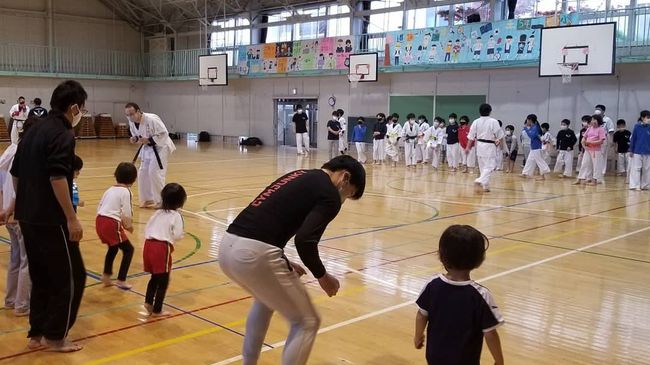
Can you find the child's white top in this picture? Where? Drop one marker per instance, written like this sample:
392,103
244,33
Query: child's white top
165,225
116,203
7,183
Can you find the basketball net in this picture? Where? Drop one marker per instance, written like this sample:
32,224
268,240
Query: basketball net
568,69
354,80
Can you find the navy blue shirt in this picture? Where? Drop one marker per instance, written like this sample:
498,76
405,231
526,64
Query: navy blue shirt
458,313
452,134
622,140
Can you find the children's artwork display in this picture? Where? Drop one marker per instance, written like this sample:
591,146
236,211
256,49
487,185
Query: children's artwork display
285,57
508,40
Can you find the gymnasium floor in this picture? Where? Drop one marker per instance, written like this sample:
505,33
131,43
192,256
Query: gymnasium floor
569,267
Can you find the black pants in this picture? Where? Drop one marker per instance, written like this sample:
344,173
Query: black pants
156,290
58,279
127,254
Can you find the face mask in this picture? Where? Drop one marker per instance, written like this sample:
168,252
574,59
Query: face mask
563,127
76,118
452,121
299,111
420,121
411,121
436,124
359,122
334,117
508,133
584,124
646,121
598,112
22,103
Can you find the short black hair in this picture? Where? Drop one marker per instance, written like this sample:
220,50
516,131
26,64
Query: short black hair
135,106
532,117
510,127
340,112
78,163
422,117
361,119
298,106
598,117
173,196
410,115
464,118
620,122
126,173
21,97
586,118
394,115
462,247
453,115
381,115
645,114
37,101
66,94
354,167
546,126
601,107
565,121
485,109
500,123
439,119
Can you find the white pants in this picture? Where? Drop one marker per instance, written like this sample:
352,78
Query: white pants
622,163
487,163
361,151
19,285
499,159
590,168
378,150
579,163
302,142
333,148
525,150
410,153
434,152
343,143
640,172
564,158
470,157
262,270
151,178
420,152
392,150
535,159
453,155
463,156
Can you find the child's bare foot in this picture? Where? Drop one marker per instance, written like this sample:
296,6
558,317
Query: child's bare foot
106,279
36,342
63,346
146,204
161,314
122,284
149,308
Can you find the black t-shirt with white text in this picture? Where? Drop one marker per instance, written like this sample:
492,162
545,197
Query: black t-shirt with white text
301,203
452,134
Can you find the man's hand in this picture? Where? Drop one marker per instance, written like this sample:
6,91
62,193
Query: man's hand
418,341
329,284
133,139
75,229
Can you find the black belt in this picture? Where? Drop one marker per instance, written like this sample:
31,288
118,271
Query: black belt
485,141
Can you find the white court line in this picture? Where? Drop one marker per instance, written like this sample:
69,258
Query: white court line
204,217
436,200
410,302
221,191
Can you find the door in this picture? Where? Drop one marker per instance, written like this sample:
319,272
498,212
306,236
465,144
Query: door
283,125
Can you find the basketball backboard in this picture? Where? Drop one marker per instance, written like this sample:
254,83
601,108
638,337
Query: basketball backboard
364,66
213,70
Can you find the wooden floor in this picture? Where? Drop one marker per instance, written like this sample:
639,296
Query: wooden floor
569,267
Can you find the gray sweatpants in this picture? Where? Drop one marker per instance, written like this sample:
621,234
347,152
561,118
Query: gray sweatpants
262,270
19,285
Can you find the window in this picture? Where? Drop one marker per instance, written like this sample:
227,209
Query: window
338,27
386,22
482,8
230,38
279,33
383,4
427,18
311,30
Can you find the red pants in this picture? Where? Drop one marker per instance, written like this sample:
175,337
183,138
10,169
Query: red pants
157,256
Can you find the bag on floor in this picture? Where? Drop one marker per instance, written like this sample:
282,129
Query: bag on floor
204,136
251,141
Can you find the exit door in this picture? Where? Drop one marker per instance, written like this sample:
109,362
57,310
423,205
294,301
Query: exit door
283,125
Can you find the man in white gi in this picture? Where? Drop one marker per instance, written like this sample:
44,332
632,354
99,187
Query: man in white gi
486,133
17,116
149,131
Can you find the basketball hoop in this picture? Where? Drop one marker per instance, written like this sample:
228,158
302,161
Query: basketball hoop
354,80
568,69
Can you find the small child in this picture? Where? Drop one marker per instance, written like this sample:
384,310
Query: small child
164,228
511,147
433,138
77,165
456,311
500,152
622,139
114,215
358,137
453,147
463,133
586,119
566,140
421,147
640,154
410,132
547,142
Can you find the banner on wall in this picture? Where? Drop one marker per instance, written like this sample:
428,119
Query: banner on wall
285,57
507,40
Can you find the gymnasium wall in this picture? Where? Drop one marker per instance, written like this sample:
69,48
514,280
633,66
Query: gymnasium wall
245,107
103,96
77,24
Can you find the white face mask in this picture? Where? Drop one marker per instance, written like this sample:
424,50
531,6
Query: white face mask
452,121
563,127
411,121
645,121
334,117
508,133
299,111
436,124
76,118
598,112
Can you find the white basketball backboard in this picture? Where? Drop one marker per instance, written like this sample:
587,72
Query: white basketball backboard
365,65
591,46
213,70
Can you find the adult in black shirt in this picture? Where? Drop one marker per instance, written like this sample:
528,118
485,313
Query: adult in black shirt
42,172
333,134
378,136
300,120
300,203
38,111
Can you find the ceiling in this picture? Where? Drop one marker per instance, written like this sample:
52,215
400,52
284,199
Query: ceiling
166,16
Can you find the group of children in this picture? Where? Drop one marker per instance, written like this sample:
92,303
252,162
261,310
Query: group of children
114,219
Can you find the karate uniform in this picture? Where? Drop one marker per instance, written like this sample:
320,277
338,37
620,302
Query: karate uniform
485,131
410,134
421,147
393,132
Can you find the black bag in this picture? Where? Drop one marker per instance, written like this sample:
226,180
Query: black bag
174,136
204,137
251,141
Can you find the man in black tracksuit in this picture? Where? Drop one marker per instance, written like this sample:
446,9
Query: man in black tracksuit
42,172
